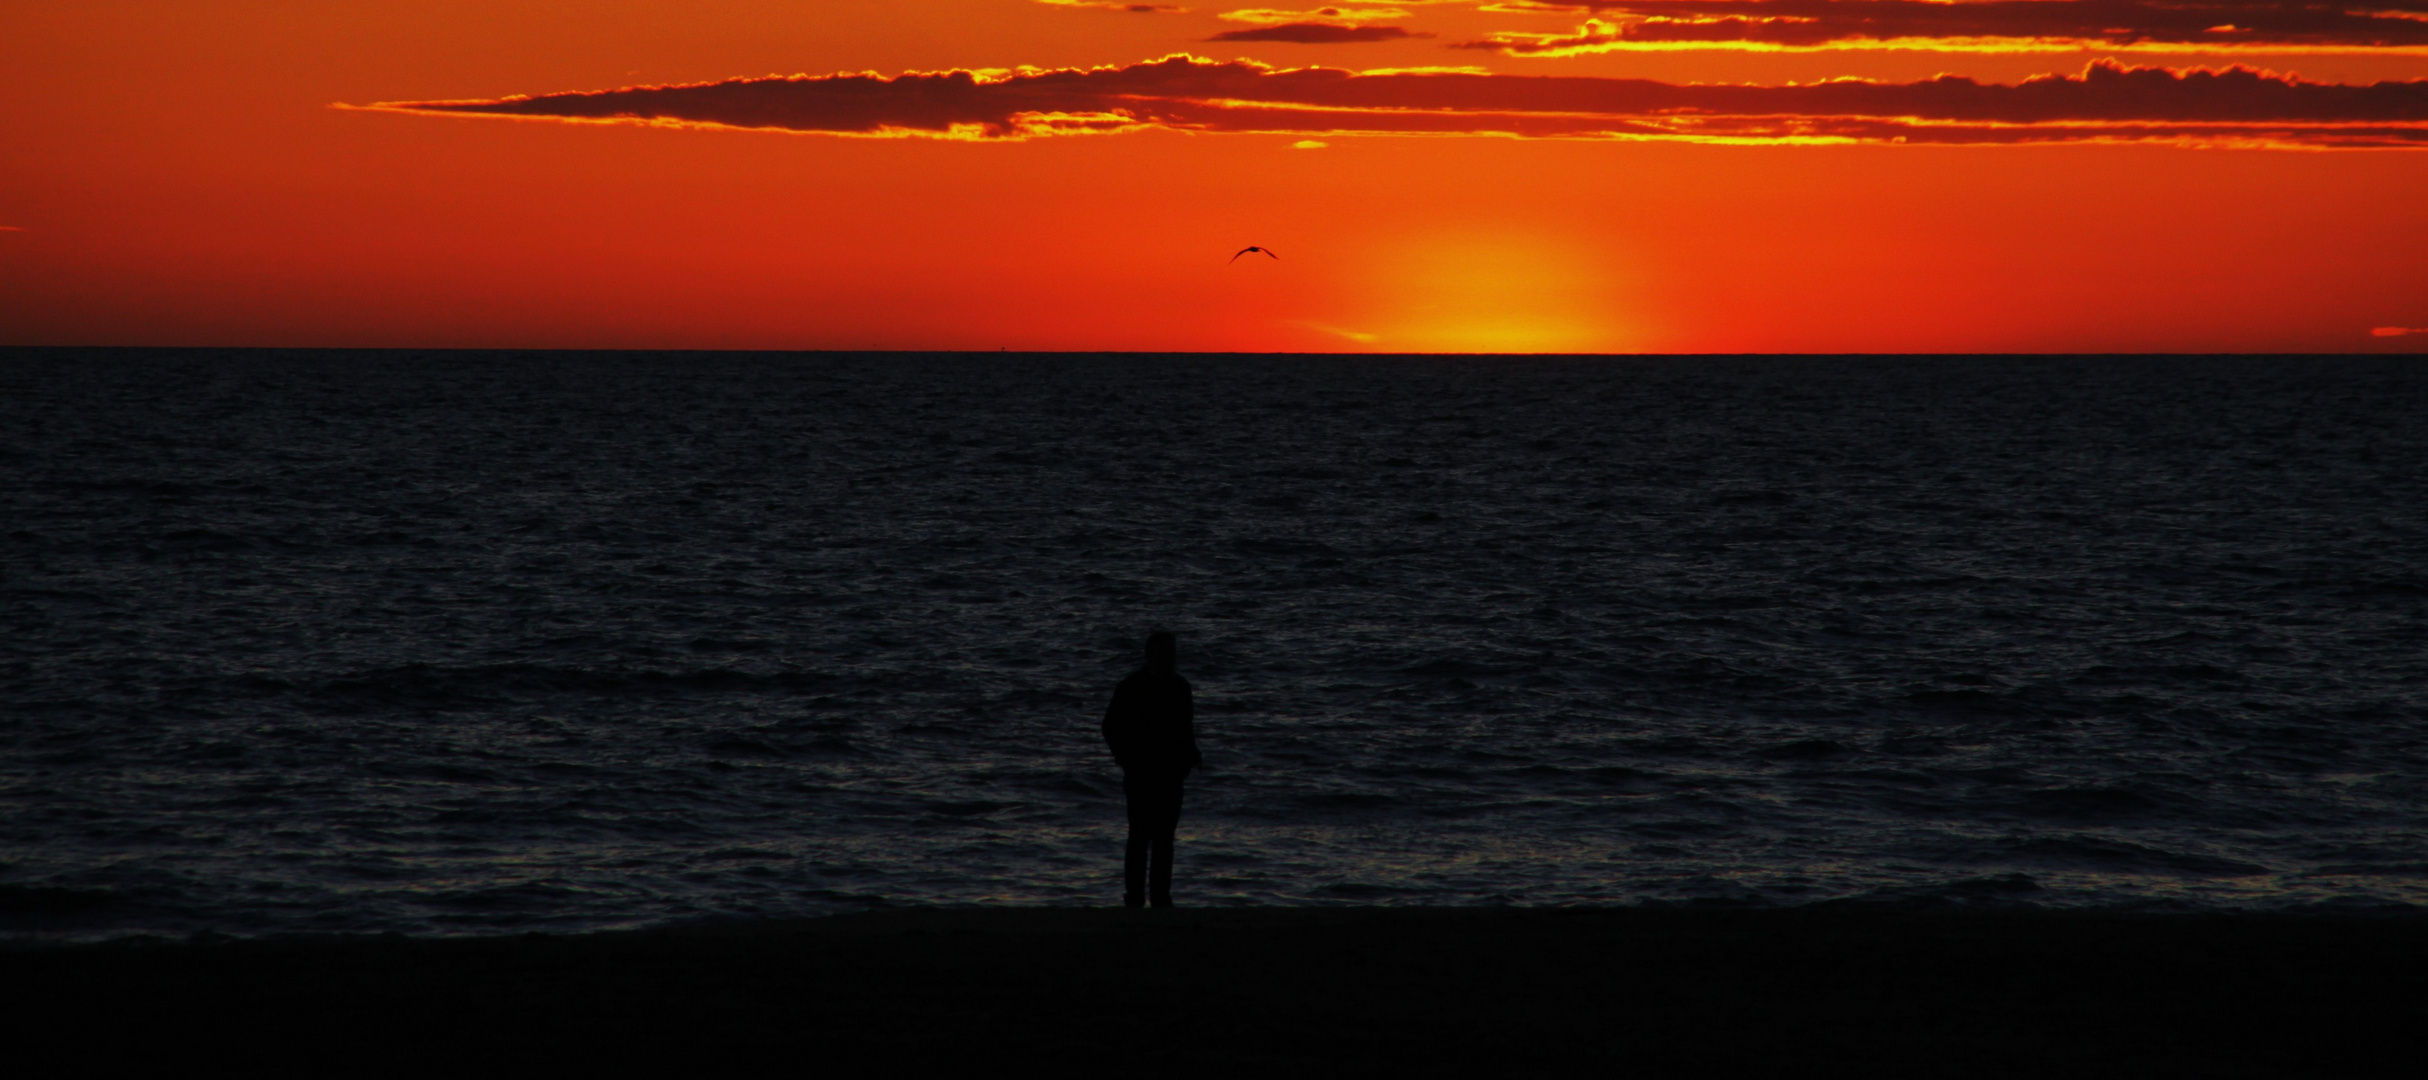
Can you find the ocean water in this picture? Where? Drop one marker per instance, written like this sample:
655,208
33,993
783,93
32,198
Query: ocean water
488,642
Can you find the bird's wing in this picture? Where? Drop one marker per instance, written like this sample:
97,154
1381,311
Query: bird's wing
1236,254
1269,251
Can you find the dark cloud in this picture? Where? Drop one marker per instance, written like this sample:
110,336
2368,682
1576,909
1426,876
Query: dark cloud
1317,34
2106,102
1985,25
1113,5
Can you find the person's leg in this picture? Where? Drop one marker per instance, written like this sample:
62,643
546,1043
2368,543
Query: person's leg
1159,880
1142,829
1167,825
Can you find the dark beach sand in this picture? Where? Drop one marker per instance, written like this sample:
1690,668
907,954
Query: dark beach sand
1294,991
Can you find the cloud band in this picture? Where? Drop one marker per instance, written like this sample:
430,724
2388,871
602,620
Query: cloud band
1317,34
2106,102
2199,26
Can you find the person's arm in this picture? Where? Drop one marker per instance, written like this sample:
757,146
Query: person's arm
1188,725
1118,724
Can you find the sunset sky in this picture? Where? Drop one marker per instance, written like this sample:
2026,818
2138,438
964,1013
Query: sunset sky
1449,175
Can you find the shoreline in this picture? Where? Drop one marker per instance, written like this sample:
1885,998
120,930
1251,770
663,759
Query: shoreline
1370,991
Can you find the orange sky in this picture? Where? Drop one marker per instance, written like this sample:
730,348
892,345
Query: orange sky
175,174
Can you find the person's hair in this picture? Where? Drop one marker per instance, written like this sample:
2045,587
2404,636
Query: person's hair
1163,650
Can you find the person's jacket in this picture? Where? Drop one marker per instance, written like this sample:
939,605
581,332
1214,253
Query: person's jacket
1152,725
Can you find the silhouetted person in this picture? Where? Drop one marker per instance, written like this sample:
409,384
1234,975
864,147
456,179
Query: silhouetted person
1152,728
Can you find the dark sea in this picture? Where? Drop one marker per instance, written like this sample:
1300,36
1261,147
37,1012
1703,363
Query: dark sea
484,642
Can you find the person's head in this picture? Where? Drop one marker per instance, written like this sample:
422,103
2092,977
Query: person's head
1163,651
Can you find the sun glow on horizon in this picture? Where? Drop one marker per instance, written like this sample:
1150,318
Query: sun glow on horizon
1499,292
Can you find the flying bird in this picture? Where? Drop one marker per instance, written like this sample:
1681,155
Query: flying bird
1235,255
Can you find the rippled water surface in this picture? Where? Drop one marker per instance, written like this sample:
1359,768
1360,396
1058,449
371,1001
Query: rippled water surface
474,642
